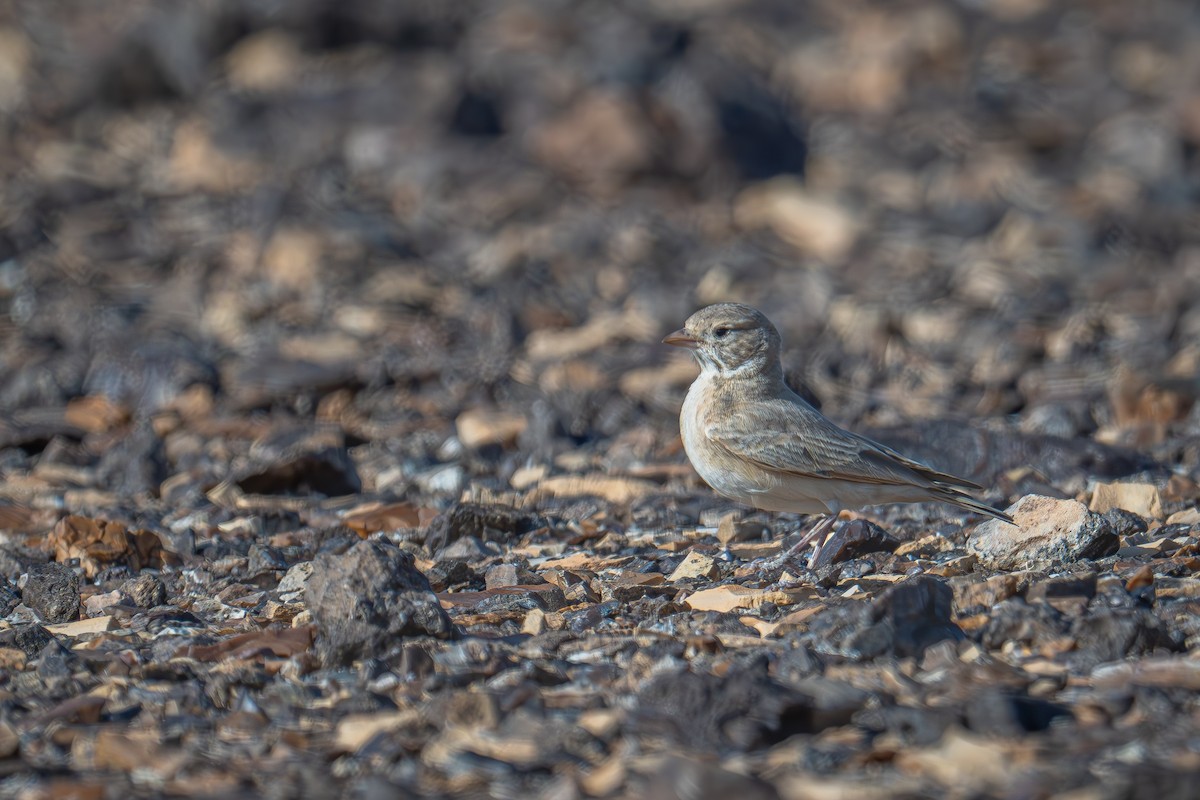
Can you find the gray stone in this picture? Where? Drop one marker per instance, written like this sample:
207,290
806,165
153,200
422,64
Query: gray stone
10,598
52,590
1049,533
146,591
366,600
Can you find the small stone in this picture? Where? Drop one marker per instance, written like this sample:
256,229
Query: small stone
1048,532
906,619
367,599
492,522
731,529
477,428
1189,516
1125,523
146,591
98,604
501,575
535,622
972,595
10,598
470,550
852,540
695,565
1140,498
52,590
295,578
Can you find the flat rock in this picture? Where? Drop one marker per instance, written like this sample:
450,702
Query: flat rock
695,565
1140,498
1049,532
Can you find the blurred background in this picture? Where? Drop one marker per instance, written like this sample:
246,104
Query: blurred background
467,225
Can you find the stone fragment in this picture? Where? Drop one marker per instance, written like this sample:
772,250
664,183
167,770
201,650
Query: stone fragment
744,709
367,599
975,595
906,619
82,626
1049,532
95,413
1140,498
695,565
146,591
97,605
854,539
479,427
29,638
99,543
733,596
52,590
731,529
1189,516
501,575
491,523
1125,523
597,142
376,517
295,578
10,598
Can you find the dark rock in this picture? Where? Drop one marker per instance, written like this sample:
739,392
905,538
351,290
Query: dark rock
146,591
905,620
516,598
918,727
746,709
852,540
1111,634
30,638
367,599
450,572
469,550
137,465
328,471
1016,621
264,558
10,597
52,590
996,713
1082,584
1125,523
55,661
489,523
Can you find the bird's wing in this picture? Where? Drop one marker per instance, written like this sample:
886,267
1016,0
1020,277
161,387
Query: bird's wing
788,435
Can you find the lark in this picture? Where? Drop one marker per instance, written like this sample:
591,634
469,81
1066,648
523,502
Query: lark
755,441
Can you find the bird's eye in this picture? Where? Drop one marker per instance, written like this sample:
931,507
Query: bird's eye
721,333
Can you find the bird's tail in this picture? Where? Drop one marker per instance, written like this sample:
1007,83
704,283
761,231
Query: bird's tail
963,500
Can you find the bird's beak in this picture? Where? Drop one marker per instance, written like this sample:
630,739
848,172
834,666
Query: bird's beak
680,338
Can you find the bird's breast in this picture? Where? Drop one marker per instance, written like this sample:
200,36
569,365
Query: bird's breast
724,472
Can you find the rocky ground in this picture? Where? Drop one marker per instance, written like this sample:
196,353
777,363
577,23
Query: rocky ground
338,454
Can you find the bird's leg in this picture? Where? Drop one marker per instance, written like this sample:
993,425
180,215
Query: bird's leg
817,534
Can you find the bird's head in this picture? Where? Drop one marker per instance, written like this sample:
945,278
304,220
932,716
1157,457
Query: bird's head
730,339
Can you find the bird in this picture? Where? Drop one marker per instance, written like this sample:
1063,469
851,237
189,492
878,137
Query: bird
754,440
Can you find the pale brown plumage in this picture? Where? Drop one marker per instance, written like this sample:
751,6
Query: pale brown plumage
754,440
